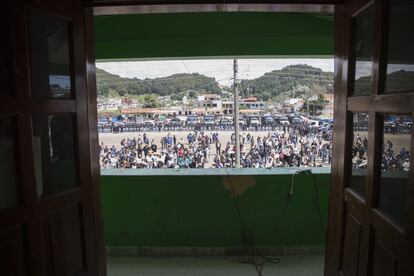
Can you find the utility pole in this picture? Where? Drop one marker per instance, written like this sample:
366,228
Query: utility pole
236,113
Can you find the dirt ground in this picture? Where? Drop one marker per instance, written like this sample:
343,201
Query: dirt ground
224,136
115,139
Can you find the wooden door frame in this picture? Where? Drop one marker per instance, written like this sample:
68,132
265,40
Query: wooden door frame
376,103
86,76
342,102
25,220
115,7
95,170
332,255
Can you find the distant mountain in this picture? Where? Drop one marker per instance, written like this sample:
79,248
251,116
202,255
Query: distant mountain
175,85
290,81
398,81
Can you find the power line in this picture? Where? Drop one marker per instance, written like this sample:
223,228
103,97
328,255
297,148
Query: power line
143,81
273,75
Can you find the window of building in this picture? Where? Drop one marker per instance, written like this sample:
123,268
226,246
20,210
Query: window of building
174,114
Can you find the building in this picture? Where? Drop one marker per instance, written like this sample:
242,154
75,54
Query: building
227,107
209,101
151,112
251,103
328,111
54,199
206,111
292,105
209,97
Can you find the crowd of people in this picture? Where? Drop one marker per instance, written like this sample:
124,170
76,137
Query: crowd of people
359,152
392,160
123,127
395,161
284,147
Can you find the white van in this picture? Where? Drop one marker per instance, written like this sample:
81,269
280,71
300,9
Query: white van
313,123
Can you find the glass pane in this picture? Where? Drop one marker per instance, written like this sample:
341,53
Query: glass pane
395,166
363,29
8,181
359,152
54,153
400,66
50,56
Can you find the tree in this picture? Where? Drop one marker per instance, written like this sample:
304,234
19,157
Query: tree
150,101
122,92
299,80
315,106
160,86
192,94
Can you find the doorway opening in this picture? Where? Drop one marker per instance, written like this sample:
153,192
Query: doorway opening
179,222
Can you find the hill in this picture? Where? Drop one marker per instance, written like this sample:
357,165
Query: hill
176,85
396,82
291,81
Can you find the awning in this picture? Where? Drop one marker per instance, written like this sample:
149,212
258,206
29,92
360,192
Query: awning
213,34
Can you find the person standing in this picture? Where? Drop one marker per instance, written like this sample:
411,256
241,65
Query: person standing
218,147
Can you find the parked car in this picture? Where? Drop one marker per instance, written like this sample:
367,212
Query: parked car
325,127
191,120
175,122
254,121
268,120
209,120
313,123
149,123
297,120
284,122
226,121
242,122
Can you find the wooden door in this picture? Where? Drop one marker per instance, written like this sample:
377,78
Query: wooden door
371,215
49,219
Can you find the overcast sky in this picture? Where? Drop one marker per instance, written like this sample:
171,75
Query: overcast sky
221,69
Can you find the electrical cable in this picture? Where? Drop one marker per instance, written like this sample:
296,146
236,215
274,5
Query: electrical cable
309,172
285,207
250,252
316,189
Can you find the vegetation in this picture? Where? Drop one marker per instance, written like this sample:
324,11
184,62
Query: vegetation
150,101
178,85
294,81
399,81
315,106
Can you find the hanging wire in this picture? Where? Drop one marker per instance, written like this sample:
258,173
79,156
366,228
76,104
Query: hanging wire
250,252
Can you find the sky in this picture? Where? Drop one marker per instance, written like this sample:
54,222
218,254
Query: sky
221,69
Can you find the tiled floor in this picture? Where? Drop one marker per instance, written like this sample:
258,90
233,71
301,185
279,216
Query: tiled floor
292,265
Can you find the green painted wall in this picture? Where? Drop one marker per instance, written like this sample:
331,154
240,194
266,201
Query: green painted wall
213,34
199,211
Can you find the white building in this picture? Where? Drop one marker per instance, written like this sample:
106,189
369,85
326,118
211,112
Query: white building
209,101
293,105
251,103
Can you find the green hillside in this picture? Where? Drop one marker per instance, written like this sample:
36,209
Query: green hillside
292,81
176,85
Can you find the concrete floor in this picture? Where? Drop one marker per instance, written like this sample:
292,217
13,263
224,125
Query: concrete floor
292,265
